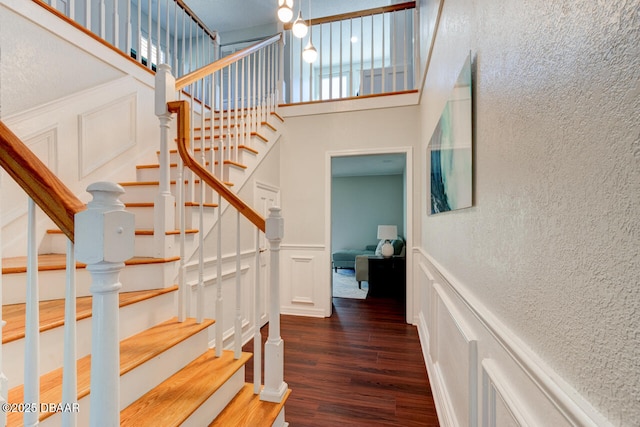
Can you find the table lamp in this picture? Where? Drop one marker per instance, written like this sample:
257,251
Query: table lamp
387,233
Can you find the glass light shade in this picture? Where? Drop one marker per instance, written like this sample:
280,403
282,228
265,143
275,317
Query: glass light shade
309,54
299,28
285,13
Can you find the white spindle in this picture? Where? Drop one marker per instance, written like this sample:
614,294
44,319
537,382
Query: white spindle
237,118
157,21
227,156
72,9
237,339
274,385
351,57
257,336
383,76
139,33
69,377
201,230
129,33
116,24
372,53
102,19
340,66
219,301
4,382
392,46
149,32
104,240
32,324
182,272
87,15
242,101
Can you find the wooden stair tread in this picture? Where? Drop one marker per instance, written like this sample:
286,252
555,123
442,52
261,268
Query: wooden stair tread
151,205
134,351
52,312
47,262
247,410
175,399
141,232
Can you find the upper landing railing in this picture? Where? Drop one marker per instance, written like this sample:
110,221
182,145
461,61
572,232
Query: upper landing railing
152,32
363,53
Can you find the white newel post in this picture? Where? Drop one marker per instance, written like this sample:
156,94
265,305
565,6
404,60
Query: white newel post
4,382
274,385
104,240
164,204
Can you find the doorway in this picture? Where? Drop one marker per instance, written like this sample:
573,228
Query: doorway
367,188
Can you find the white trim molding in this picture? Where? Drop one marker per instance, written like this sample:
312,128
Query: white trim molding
481,373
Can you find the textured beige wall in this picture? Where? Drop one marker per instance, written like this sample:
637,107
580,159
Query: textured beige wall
552,243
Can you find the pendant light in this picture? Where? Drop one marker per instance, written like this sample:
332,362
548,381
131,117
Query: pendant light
299,28
285,11
309,54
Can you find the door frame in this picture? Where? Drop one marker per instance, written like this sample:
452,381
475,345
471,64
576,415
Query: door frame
408,183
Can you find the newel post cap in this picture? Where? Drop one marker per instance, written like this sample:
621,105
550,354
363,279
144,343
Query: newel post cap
104,232
274,224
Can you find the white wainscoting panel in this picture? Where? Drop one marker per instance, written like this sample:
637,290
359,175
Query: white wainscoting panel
305,275
456,360
500,407
97,147
481,373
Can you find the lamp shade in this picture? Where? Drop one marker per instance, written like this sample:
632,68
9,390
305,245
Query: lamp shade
299,28
285,11
309,54
387,232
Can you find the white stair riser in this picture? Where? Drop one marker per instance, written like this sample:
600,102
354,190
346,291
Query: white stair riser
136,383
134,318
212,407
52,283
142,379
148,193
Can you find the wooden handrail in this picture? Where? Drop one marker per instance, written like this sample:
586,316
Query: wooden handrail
358,14
198,74
181,108
35,178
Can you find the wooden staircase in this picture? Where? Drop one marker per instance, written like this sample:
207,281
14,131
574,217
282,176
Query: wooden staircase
168,374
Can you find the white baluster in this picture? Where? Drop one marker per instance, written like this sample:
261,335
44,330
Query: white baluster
274,385
164,203
182,272
4,382
104,237
32,323
102,18
200,290
257,336
219,306
237,341
116,24
69,377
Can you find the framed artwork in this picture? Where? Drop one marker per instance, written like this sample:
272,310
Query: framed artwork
450,149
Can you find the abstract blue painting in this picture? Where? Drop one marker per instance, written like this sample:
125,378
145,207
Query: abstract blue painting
450,149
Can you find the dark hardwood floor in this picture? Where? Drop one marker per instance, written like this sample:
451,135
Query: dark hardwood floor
363,366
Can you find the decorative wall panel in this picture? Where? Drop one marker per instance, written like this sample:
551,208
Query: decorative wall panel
97,147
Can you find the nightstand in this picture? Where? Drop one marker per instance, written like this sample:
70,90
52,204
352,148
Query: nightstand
387,276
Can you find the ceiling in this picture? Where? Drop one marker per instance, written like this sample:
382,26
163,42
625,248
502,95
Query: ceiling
219,16
368,165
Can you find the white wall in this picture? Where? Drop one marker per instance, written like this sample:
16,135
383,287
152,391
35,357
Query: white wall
306,146
537,284
61,92
359,204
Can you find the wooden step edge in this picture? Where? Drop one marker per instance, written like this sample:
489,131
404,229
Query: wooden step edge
278,116
269,125
157,166
149,183
186,204
246,409
257,135
234,164
196,205
52,311
139,232
188,389
134,351
249,149
49,262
